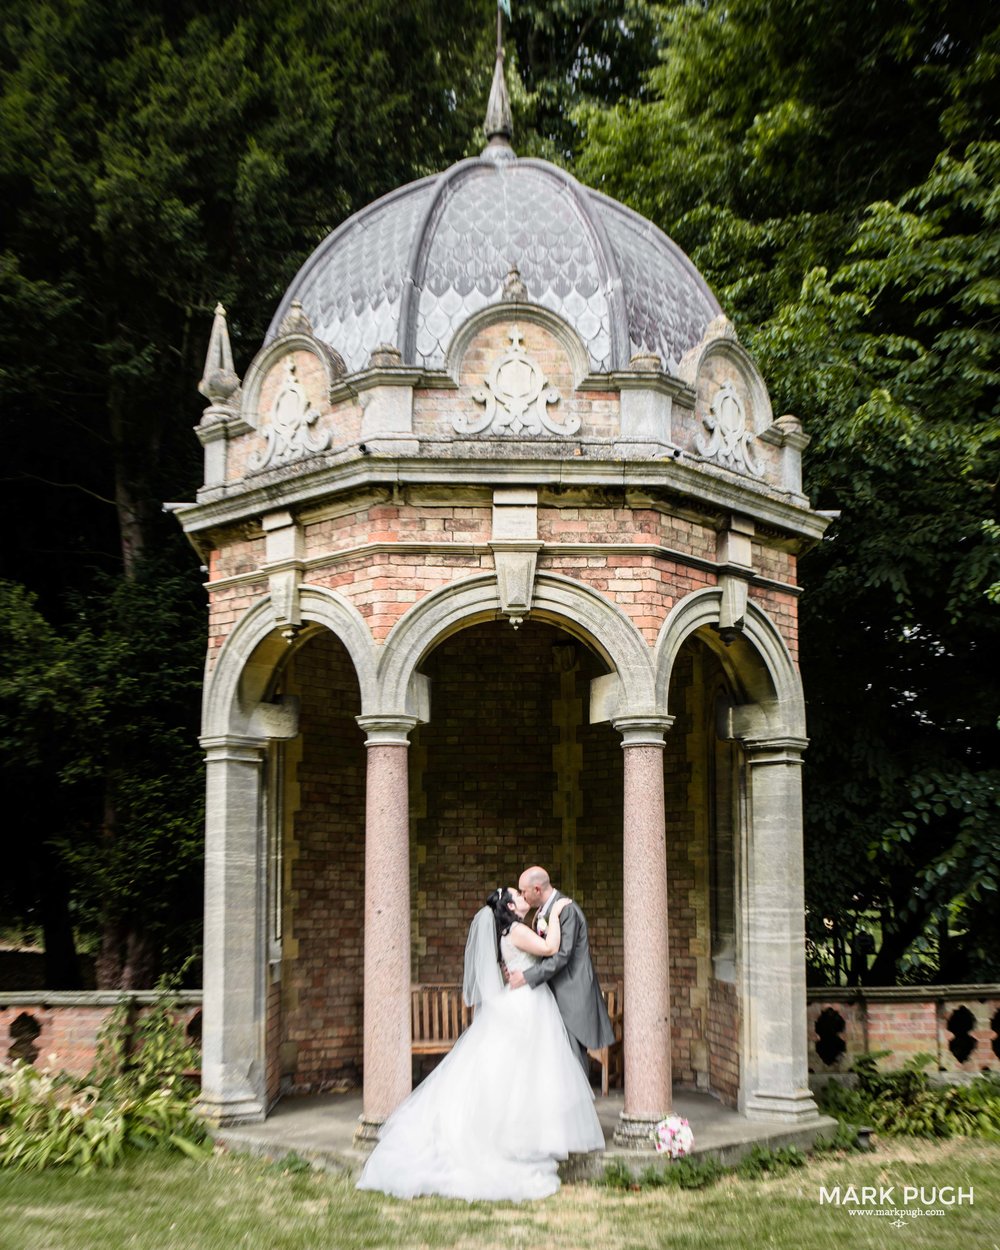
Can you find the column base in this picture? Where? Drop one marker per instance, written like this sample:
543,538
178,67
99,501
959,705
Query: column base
795,1108
366,1134
226,1113
635,1132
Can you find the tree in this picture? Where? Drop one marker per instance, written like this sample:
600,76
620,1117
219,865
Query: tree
861,271
570,52
159,157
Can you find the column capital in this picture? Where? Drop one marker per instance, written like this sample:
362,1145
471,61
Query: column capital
388,730
781,750
642,731
236,748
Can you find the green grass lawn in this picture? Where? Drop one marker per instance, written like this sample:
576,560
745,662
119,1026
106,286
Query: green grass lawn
162,1203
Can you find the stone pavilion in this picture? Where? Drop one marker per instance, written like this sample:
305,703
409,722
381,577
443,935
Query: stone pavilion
501,537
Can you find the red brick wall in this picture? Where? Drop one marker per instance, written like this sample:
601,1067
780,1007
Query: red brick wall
272,1044
323,964
644,587
599,874
487,781
687,1026
67,1040
723,1036
907,1022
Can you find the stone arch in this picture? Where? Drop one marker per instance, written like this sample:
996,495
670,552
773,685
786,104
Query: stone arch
269,355
254,651
758,662
576,608
557,326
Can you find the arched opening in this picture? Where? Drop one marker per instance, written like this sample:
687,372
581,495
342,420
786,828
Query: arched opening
705,805
315,804
509,772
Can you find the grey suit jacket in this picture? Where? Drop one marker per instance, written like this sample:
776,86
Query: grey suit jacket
570,976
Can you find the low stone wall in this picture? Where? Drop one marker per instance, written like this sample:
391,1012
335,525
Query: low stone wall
959,1025
60,1030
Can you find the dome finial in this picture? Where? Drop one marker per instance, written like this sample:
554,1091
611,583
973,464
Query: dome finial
220,381
499,125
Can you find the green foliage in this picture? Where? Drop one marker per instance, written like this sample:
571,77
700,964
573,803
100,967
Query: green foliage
905,1102
685,1174
564,53
843,1140
762,1161
136,1098
702,1172
99,722
861,272
617,1175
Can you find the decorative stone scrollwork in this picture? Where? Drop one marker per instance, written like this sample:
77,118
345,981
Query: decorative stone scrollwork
730,433
289,436
516,398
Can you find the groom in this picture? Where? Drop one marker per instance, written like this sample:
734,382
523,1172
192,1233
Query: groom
569,972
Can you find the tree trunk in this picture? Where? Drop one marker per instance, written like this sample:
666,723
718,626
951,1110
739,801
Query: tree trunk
139,970
111,956
62,964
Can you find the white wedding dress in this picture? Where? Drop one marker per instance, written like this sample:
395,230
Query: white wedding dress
497,1114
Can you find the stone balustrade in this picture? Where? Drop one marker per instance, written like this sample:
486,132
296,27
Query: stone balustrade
959,1025
59,1030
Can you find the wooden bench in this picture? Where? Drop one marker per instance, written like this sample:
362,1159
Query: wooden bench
612,1056
439,1017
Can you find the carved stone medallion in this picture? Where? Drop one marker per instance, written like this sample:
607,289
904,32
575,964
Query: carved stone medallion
516,398
730,435
289,433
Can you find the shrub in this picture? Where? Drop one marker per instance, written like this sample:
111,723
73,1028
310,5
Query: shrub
135,1098
905,1102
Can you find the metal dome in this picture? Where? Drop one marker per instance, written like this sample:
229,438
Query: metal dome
410,268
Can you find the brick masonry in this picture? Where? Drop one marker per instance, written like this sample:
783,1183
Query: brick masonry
907,1021
508,770
322,971
63,1036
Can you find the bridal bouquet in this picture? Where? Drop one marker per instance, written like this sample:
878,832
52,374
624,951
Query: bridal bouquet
673,1137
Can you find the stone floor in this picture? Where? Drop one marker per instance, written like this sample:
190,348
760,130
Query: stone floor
321,1128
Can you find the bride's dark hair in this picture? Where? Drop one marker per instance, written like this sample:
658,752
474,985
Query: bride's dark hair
499,903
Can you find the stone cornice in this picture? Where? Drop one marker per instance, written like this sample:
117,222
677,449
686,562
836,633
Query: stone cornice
98,998
640,380
233,748
346,389
684,476
901,993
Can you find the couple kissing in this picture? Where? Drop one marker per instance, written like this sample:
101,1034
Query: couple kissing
522,1061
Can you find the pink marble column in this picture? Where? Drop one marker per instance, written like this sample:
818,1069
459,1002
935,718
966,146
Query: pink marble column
387,1063
647,966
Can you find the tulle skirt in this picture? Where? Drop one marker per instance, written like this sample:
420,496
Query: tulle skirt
496,1115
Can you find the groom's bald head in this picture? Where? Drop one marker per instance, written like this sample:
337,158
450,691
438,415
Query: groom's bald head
535,885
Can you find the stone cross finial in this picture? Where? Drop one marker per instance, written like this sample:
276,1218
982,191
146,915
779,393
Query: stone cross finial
499,124
220,381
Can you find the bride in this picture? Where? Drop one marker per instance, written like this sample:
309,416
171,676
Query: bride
510,1100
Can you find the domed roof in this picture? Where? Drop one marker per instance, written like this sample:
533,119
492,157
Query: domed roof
409,269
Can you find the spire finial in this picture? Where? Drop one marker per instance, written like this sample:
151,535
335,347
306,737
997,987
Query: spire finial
499,125
219,382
